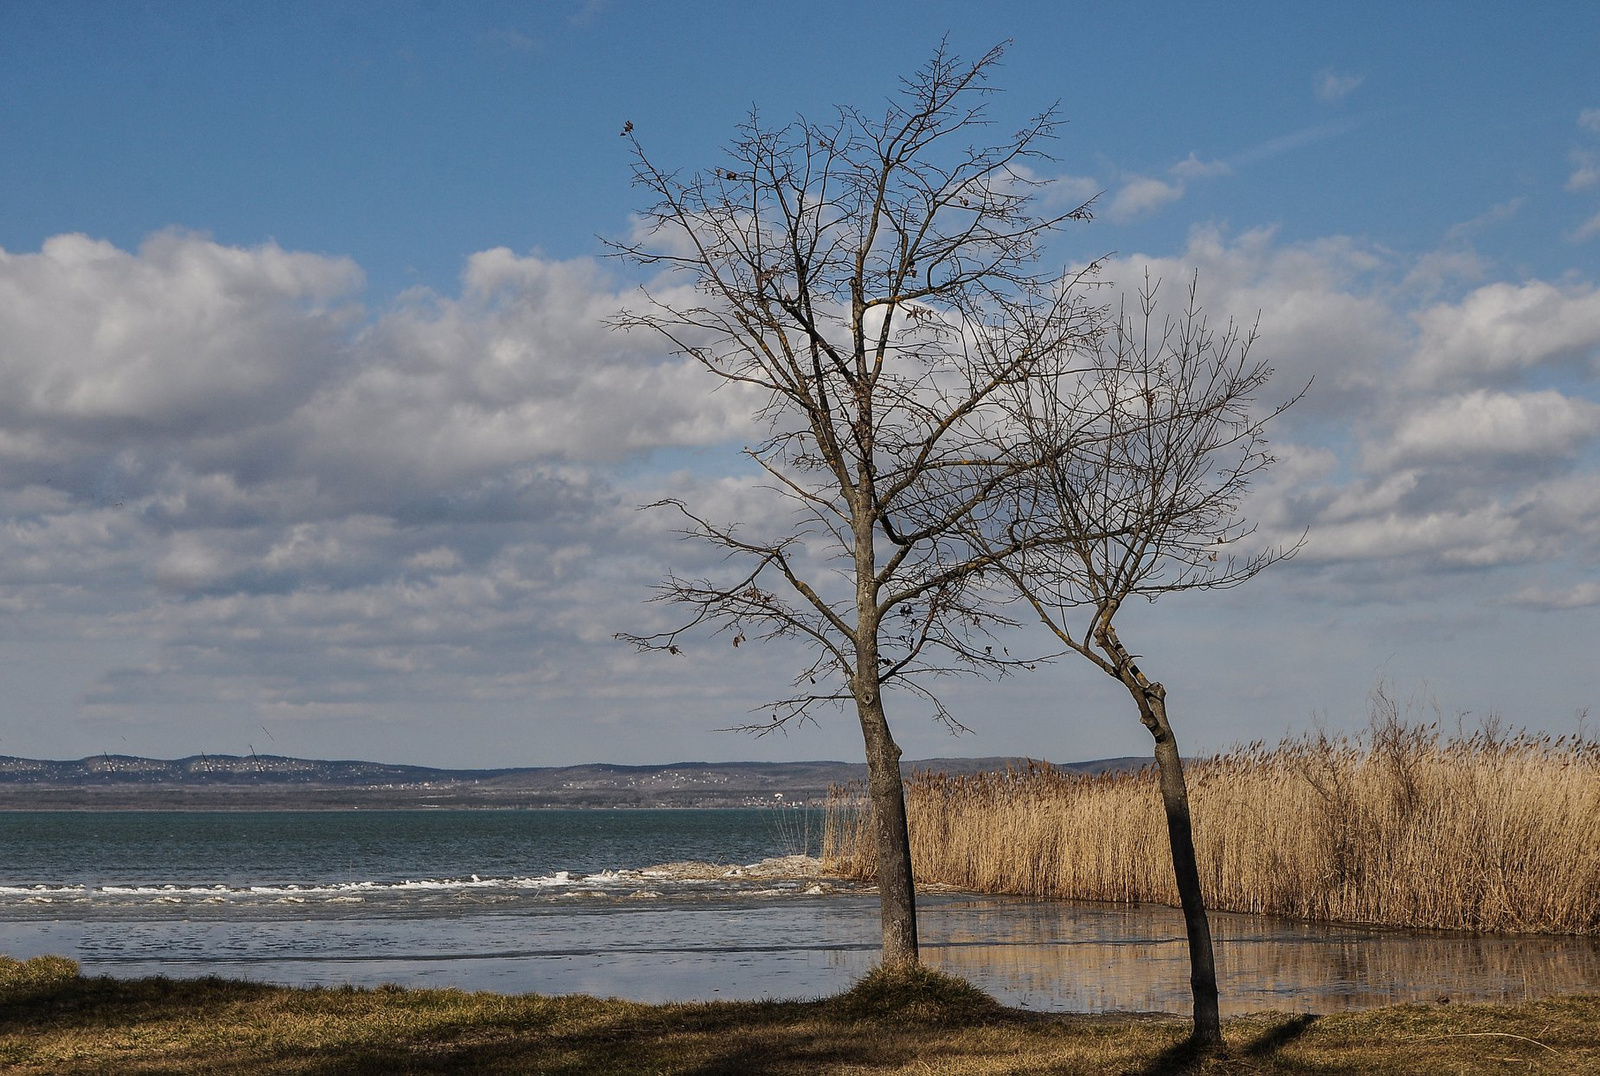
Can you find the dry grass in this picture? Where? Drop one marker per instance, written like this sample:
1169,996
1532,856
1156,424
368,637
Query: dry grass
1401,826
53,1021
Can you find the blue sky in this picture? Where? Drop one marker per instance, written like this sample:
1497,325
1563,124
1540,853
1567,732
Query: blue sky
311,441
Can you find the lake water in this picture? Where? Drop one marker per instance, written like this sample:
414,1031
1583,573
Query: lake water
567,901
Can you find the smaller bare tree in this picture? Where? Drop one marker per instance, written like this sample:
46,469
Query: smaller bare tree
1147,450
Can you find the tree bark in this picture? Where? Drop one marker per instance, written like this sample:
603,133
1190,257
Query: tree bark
896,891
1180,835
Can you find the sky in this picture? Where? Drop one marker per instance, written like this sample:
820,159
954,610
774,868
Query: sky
313,440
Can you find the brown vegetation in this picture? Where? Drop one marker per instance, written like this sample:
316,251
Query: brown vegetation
1401,826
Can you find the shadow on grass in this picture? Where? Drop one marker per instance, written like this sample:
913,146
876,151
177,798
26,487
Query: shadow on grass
53,1021
888,1019
1276,1038
66,1003
1188,1057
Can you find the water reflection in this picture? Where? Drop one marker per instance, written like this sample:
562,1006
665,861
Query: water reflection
1094,958
1039,955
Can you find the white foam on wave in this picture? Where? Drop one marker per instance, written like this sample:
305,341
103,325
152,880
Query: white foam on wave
772,877
598,882
40,890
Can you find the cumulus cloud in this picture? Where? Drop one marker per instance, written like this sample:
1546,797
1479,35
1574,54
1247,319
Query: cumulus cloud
1432,441
183,338
1483,424
520,367
195,374
1481,537
294,509
214,451
1324,307
1502,328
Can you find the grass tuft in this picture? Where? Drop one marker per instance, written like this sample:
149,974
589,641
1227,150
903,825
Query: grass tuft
914,994
25,978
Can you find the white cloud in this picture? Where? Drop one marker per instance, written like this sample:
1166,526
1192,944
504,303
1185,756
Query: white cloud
1067,192
1325,307
204,454
521,367
1481,537
1589,229
1192,167
1420,452
1141,195
1333,86
1585,170
1494,425
1495,214
1576,596
197,376
1294,140
438,559
437,505
185,337
1503,328
1589,120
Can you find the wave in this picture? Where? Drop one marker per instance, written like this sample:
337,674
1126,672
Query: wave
775,877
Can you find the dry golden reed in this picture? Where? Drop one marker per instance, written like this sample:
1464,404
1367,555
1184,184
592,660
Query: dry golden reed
1398,826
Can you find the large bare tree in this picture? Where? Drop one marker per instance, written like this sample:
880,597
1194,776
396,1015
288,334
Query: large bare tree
1148,445
872,278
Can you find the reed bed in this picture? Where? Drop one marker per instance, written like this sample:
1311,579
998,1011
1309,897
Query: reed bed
1400,825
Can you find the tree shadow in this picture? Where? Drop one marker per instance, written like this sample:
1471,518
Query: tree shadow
1188,1056
1275,1038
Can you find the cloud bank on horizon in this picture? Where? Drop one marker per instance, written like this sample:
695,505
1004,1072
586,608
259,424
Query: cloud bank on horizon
243,488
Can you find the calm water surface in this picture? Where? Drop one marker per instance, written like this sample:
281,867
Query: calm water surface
563,901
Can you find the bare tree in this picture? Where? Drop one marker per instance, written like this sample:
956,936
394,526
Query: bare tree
872,278
1147,448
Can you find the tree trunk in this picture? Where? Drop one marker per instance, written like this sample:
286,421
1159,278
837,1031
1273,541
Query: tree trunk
897,895
1180,835
896,891
1151,699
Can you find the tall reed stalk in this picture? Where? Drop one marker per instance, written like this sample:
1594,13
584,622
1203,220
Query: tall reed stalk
1399,826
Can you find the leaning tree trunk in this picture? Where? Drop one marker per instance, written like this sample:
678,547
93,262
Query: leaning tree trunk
1180,835
1151,698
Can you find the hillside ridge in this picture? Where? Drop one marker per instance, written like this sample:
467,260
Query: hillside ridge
254,781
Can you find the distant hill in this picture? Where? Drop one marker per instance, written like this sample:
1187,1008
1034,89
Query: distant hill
274,782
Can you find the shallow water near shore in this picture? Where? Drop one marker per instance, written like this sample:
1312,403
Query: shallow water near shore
566,902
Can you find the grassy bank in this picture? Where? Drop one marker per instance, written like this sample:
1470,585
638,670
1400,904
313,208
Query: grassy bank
1401,826
53,1021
